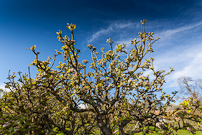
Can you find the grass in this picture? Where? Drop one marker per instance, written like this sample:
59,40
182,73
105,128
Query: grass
179,132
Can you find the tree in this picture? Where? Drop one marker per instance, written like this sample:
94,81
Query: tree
191,106
190,88
116,92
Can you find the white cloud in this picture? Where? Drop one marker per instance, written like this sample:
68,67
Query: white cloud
186,62
123,25
82,106
171,32
192,68
114,26
100,32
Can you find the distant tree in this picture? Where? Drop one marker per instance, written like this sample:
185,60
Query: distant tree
191,107
116,93
190,88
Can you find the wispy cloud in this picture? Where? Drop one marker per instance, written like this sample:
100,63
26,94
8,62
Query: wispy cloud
192,68
186,62
124,25
115,26
186,56
171,32
100,32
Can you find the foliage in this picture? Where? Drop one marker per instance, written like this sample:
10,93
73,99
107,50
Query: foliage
116,93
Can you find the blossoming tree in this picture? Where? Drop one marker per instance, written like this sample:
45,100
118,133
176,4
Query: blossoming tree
117,96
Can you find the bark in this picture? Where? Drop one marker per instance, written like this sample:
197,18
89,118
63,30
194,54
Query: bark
105,128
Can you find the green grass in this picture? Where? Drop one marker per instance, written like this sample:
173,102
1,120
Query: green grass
179,132
184,132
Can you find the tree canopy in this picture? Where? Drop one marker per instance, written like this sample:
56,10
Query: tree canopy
118,97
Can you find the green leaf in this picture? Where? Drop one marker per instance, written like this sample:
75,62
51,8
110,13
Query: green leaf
55,129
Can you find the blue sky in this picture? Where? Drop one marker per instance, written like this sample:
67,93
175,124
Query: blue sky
178,23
